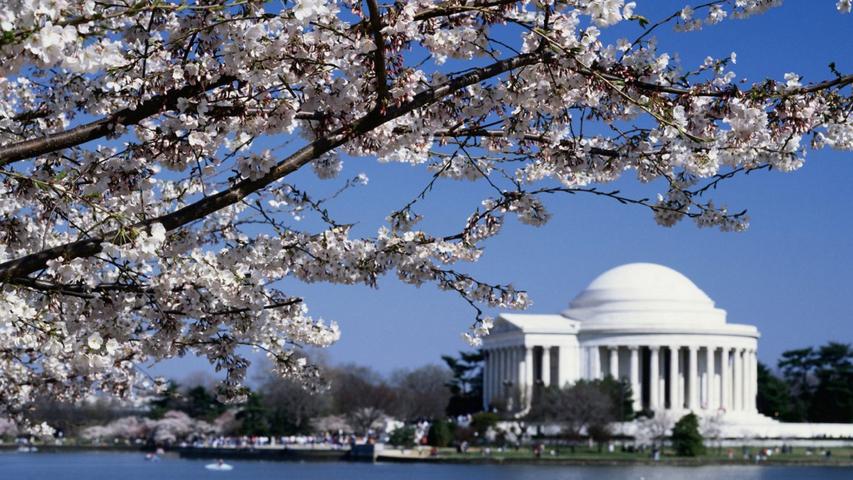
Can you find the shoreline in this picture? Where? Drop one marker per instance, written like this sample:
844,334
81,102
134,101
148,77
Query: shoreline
394,456
615,462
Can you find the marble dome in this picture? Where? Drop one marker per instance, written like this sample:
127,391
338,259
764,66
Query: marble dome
644,293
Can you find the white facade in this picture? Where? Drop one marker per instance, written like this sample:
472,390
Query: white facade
647,324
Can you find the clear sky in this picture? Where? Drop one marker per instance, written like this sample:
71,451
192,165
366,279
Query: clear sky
789,274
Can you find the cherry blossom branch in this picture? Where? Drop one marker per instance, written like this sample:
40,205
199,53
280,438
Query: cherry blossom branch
83,248
105,126
447,10
379,55
173,236
666,20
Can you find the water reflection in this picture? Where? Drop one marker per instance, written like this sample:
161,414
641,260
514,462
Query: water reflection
132,466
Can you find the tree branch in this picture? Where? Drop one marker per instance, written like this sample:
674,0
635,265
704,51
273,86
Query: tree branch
33,262
480,132
442,10
378,55
99,128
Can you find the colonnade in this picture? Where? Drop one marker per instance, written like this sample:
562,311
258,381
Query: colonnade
510,372
677,377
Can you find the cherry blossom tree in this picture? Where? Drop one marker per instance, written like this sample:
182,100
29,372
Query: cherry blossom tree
147,149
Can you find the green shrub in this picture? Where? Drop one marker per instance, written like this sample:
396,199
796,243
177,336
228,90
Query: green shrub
440,434
403,437
686,439
481,422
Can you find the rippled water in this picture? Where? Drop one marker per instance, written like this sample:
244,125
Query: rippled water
132,466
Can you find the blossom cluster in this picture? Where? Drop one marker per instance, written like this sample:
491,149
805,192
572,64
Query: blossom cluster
144,148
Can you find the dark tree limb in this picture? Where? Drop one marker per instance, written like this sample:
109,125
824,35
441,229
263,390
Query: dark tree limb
103,127
378,55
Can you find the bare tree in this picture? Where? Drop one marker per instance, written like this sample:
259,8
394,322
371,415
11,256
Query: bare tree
422,392
361,395
581,408
291,407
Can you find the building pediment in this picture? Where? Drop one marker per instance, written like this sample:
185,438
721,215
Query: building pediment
526,323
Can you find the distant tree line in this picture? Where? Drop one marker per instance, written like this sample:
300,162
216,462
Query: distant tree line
813,385
358,399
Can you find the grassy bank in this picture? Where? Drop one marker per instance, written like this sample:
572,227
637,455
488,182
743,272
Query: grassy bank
586,456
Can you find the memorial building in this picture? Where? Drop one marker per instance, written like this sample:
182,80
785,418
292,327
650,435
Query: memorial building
648,325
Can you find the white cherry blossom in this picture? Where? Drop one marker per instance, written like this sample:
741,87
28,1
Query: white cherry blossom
149,150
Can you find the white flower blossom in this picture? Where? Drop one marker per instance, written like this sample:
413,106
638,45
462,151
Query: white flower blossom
306,9
95,341
605,12
154,193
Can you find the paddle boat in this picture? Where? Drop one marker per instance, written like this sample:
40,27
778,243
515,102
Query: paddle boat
219,466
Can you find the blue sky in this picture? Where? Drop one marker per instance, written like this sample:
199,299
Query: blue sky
789,274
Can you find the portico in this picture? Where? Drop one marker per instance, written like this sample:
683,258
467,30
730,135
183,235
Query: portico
526,350
668,375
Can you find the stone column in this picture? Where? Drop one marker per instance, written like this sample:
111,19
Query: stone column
654,378
546,366
598,368
512,368
510,381
746,380
725,380
737,380
674,396
510,371
519,368
614,362
710,402
753,381
507,368
635,378
502,373
563,372
692,379
528,376
596,362
569,365
497,378
496,374
487,378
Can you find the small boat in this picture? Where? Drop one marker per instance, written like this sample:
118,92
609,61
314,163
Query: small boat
27,449
219,466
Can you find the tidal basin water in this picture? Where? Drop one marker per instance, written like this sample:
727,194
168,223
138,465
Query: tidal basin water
132,466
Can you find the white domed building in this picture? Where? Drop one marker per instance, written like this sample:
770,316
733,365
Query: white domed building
652,326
